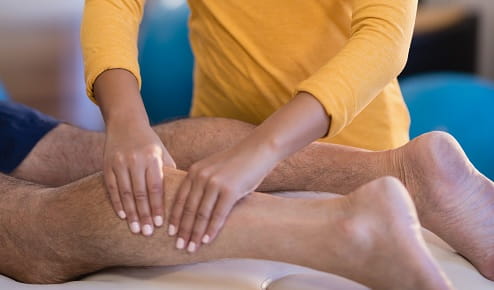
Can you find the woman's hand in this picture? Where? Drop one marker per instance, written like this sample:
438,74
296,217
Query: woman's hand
214,184
133,169
212,187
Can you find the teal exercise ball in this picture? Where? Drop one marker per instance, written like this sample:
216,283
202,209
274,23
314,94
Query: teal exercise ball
3,94
166,60
460,104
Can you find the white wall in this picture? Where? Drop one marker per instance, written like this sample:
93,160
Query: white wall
39,10
41,63
486,37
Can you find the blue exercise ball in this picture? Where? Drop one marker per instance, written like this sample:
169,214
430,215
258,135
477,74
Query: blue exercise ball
3,94
166,60
462,105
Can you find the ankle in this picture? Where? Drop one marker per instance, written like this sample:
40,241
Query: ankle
393,163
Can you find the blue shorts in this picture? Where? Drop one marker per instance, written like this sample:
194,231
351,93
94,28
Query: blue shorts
21,128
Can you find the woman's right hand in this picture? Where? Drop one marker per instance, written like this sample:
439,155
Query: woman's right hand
134,158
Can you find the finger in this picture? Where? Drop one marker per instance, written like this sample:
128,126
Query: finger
141,199
189,215
221,210
127,198
154,180
203,215
178,206
111,186
169,162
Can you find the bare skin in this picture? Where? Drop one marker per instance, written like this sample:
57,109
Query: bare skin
452,198
71,230
134,157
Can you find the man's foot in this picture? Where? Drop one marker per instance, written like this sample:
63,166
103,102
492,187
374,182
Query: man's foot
453,199
383,240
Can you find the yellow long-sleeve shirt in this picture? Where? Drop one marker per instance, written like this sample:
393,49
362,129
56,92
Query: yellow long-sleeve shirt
253,56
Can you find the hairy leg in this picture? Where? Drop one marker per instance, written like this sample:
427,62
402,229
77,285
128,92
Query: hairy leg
68,153
453,199
64,155
70,231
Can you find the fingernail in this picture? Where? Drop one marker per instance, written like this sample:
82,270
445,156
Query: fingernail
180,243
135,228
147,230
158,221
172,230
122,214
192,247
205,239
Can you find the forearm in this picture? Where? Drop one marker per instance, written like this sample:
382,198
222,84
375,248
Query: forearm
117,93
300,122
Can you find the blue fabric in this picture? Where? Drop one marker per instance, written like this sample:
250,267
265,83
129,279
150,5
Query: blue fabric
20,130
166,60
3,94
460,104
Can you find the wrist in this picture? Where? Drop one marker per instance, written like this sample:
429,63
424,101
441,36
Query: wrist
266,145
126,119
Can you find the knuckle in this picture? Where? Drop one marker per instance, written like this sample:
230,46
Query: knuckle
118,159
179,204
126,193
227,189
203,174
155,188
215,181
133,158
140,195
219,215
151,155
189,211
111,187
193,168
180,201
202,215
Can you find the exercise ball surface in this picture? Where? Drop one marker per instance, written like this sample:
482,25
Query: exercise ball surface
460,104
3,94
166,60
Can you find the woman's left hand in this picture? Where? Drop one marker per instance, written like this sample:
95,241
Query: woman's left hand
211,189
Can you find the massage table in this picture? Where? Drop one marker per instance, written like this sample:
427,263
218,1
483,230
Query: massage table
248,274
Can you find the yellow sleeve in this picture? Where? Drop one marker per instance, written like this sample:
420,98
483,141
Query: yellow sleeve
376,52
109,35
